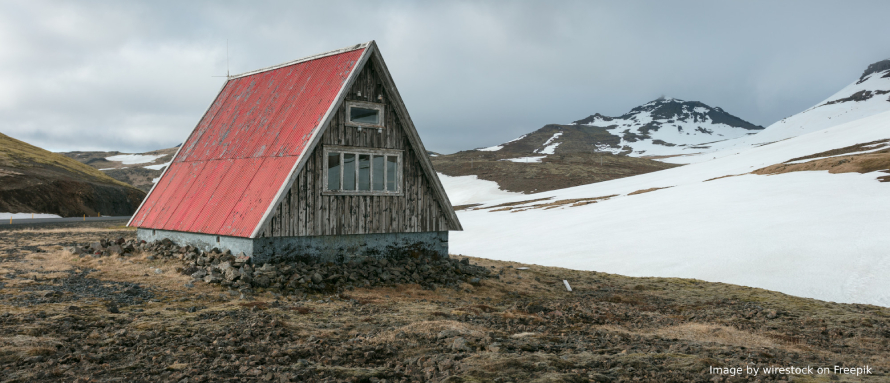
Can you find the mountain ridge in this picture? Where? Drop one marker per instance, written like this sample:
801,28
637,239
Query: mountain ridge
662,127
35,180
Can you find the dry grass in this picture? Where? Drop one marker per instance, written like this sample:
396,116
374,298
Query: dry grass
136,269
430,330
50,261
845,150
729,336
573,202
466,207
523,206
726,176
20,347
509,205
647,190
713,333
858,163
835,160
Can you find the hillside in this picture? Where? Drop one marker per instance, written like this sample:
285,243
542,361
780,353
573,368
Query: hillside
35,180
141,317
804,215
138,169
523,166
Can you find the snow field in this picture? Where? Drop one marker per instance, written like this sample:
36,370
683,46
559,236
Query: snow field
811,234
465,190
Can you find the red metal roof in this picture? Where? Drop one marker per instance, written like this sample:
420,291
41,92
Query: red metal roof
230,169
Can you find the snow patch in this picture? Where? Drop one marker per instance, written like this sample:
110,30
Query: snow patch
465,190
517,138
608,149
548,147
7,216
133,159
555,136
157,167
526,159
501,146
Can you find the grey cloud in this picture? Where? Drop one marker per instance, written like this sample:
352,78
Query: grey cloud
137,76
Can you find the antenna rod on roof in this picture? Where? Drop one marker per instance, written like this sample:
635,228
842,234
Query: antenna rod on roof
227,61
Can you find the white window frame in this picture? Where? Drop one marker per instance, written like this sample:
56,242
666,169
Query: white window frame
366,105
372,151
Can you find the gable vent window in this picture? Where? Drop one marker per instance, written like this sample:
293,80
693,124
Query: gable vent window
364,114
352,170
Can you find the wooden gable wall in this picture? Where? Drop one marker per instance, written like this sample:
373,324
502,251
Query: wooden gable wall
304,211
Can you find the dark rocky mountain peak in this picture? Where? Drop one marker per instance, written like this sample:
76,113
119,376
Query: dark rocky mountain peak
879,66
671,109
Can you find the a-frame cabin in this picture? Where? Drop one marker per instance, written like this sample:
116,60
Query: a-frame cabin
315,157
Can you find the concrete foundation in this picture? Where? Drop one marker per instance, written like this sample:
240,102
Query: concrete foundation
333,248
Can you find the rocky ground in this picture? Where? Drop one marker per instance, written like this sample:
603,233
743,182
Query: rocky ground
88,303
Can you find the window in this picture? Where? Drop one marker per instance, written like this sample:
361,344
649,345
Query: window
364,114
350,170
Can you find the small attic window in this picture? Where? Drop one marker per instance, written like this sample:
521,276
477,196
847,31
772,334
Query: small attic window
364,114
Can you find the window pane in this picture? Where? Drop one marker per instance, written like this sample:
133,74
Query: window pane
377,174
333,171
348,171
364,115
392,163
364,172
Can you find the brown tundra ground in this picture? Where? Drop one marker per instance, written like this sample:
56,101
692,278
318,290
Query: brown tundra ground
136,319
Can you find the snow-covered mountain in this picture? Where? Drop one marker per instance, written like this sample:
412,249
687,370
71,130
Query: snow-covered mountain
813,226
668,126
663,127
867,96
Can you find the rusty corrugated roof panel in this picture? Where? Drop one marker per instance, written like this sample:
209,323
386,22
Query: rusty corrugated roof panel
242,151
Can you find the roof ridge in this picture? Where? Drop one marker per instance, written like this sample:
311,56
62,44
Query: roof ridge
304,59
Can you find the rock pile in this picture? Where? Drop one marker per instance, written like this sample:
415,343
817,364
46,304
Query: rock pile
297,276
107,247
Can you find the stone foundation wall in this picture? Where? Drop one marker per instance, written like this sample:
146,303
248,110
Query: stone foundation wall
333,248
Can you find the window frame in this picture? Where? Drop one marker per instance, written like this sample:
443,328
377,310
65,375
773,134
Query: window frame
381,108
399,154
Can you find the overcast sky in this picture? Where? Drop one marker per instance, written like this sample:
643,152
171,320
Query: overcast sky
134,77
